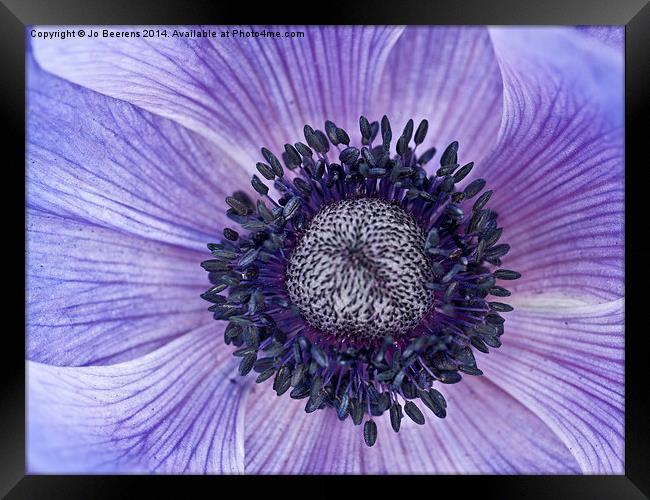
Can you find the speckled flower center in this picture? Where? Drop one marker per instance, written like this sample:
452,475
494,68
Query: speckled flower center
362,281
359,271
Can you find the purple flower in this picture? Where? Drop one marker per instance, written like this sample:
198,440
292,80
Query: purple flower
135,148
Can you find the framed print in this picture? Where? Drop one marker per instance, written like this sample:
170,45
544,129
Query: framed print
364,247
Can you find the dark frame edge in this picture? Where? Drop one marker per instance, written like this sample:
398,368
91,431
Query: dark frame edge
467,12
637,108
12,395
485,487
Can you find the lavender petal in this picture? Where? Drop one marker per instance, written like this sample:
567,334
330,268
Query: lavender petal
250,92
95,159
98,296
172,411
557,171
486,431
566,364
450,76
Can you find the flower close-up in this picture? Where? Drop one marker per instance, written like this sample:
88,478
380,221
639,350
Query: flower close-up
325,250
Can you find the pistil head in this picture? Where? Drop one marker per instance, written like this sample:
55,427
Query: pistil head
359,271
366,282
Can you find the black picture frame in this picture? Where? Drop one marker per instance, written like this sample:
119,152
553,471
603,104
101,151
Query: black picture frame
15,15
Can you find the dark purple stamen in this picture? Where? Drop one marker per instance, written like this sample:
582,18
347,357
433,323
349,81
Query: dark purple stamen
365,282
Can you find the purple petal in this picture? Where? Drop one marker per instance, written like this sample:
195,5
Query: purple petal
282,439
98,296
486,431
566,365
450,76
251,92
102,161
557,172
174,410
611,35
242,93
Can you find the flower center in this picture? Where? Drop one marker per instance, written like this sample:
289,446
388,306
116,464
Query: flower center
359,271
365,283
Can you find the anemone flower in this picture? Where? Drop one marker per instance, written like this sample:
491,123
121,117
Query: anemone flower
359,275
